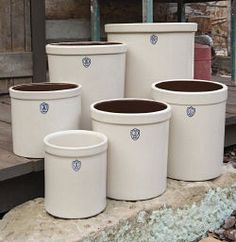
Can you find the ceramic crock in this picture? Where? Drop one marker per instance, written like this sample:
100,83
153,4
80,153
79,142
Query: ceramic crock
75,173
40,109
156,51
98,66
197,127
137,130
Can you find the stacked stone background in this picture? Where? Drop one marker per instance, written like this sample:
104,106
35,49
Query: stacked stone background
212,17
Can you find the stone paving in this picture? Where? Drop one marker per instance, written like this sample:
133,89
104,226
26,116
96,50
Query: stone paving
184,212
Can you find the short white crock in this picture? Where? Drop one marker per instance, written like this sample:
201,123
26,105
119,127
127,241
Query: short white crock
75,173
137,130
156,51
196,128
98,66
40,109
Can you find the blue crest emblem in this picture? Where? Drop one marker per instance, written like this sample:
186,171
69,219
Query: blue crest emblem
153,39
86,62
135,134
191,111
76,165
44,107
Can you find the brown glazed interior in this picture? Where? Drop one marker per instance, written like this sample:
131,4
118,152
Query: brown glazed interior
130,106
44,87
85,43
189,86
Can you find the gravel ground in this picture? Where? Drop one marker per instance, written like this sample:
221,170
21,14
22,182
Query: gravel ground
227,231
230,155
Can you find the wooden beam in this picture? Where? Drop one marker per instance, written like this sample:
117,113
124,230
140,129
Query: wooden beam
38,40
95,20
147,11
181,11
15,64
233,41
18,25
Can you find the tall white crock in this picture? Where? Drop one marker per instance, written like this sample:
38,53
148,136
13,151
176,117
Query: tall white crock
40,109
137,130
156,51
75,173
98,66
196,128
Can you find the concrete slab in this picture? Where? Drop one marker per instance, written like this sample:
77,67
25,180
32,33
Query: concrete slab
183,213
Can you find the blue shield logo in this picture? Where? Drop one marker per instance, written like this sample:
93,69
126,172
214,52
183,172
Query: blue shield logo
153,39
44,107
134,134
191,111
76,165
86,61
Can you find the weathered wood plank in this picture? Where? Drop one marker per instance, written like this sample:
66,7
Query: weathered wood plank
5,136
15,35
61,9
12,165
15,64
18,25
21,40
27,26
5,112
71,29
5,99
5,25
18,81
5,33
5,84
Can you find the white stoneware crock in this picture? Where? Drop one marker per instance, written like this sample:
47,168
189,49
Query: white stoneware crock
156,51
137,130
196,128
75,173
98,66
40,109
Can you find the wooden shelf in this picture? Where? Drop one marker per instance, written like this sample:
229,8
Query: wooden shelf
21,179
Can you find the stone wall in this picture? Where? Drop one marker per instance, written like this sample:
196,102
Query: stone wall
212,17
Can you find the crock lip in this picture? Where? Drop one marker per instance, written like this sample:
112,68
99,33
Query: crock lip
38,95
14,88
190,98
102,145
83,50
150,27
127,100
154,87
85,43
130,118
